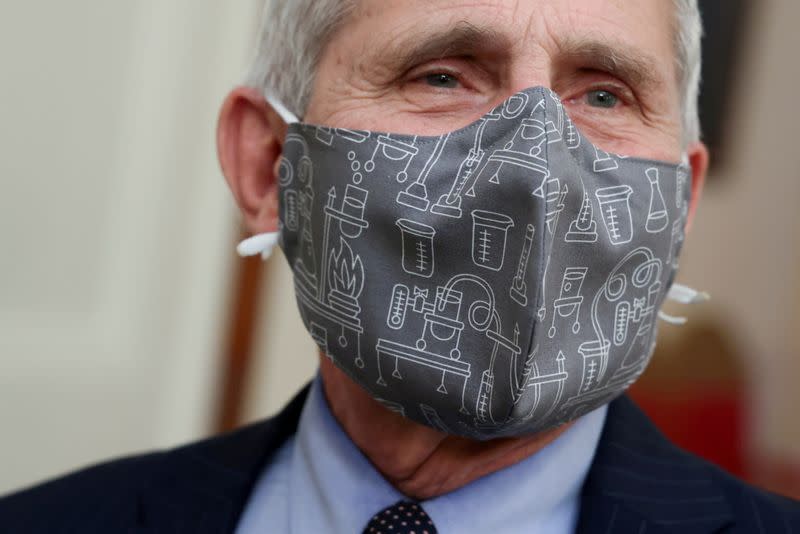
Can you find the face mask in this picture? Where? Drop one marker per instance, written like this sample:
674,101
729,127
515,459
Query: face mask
498,280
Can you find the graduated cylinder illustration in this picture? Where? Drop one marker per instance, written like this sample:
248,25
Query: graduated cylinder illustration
489,236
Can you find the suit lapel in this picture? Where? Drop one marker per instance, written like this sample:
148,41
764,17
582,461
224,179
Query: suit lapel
639,482
203,488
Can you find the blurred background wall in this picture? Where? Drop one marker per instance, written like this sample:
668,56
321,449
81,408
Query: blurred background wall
117,275
115,224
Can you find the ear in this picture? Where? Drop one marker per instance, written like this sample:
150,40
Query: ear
698,160
250,138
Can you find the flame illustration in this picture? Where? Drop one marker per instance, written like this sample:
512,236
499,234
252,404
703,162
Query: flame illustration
346,271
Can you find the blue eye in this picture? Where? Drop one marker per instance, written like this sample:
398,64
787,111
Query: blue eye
442,80
602,99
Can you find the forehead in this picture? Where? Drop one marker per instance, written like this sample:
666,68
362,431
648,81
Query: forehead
528,29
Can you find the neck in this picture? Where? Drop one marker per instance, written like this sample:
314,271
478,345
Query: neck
419,461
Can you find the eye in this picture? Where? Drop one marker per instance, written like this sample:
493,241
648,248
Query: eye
442,80
600,98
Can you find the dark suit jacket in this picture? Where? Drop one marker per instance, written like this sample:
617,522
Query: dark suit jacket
638,483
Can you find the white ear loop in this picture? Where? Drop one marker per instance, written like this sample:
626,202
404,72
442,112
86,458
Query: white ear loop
258,244
683,295
262,244
287,116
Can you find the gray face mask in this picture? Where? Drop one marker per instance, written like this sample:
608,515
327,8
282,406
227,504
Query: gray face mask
495,281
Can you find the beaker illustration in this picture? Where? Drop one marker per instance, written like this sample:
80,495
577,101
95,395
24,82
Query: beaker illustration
489,233
595,358
657,218
615,205
418,258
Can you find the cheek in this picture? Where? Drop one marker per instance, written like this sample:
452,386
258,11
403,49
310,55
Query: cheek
625,136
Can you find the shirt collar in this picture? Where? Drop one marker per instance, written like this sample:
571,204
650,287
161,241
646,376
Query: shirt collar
333,487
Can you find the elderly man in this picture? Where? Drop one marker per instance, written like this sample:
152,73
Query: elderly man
482,204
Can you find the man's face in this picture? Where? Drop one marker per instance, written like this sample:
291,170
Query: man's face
427,67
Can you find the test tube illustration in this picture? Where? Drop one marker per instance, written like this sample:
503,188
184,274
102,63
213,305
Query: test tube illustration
615,206
489,235
657,218
418,255
519,288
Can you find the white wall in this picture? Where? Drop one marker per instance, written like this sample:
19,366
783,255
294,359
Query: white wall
115,225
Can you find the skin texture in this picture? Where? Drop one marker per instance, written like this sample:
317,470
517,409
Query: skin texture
427,67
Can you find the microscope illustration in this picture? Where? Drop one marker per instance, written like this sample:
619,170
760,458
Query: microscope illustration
449,204
623,316
439,321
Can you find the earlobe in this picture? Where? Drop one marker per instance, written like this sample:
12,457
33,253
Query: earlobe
249,144
698,160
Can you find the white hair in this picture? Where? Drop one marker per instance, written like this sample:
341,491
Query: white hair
294,34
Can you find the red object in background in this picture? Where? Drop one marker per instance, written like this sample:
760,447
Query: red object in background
707,420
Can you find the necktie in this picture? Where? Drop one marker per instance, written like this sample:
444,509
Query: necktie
403,517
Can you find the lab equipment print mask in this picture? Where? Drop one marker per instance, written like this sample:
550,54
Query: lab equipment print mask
498,280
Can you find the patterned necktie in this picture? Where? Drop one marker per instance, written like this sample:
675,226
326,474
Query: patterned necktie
403,517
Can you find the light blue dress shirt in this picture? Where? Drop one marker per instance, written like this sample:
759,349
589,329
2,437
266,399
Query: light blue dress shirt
319,481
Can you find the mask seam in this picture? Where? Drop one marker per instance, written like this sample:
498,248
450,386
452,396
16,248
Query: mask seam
540,266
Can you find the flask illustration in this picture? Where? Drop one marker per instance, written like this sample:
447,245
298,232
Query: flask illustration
657,218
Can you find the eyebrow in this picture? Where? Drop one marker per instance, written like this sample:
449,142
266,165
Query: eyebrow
462,39
465,39
620,60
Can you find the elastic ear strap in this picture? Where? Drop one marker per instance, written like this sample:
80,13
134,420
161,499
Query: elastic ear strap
287,116
259,244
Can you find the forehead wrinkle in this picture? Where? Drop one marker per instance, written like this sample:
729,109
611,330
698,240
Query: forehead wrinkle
462,38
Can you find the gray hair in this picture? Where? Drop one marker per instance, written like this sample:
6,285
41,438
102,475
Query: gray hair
294,33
